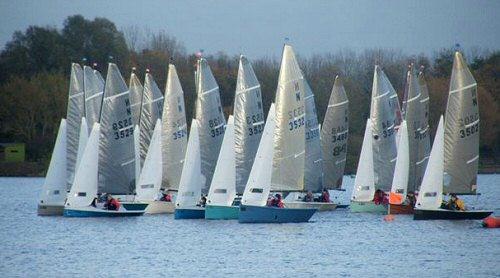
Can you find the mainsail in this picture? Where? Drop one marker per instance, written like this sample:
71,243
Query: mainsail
76,110
383,122
93,88
334,134
210,119
248,121
116,155
289,135
313,171
151,109
136,90
174,131
424,148
461,132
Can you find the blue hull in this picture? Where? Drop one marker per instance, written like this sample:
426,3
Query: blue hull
134,206
102,213
256,214
189,213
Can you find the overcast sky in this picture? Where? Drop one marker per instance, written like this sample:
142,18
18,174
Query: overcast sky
258,27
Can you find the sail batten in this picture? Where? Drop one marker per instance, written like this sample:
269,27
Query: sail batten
249,121
334,136
174,131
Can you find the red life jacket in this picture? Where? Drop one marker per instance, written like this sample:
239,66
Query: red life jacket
116,203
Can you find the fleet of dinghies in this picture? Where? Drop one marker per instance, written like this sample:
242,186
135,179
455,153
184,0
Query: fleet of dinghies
130,143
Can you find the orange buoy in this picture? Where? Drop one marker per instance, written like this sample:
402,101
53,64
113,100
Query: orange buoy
389,218
491,222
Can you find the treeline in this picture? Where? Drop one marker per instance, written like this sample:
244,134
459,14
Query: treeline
35,64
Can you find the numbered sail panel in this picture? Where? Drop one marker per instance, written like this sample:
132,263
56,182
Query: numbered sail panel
313,171
136,90
174,132
249,121
289,134
461,133
334,135
383,130
210,118
75,112
94,90
116,154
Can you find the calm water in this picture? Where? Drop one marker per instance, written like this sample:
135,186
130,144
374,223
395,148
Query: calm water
334,243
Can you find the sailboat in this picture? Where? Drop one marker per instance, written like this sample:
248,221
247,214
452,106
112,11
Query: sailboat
453,162
334,135
82,198
53,195
54,187
383,154
149,183
174,135
107,165
288,161
210,118
223,188
253,208
192,181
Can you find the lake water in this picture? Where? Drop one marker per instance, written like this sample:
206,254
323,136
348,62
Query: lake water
335,243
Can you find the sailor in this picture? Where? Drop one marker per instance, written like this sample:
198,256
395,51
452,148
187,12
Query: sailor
325,196
112,203
380,198
309,197
277,201
203,201
411,198
456,203
166,197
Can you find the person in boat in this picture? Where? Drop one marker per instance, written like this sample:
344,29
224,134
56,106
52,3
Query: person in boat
111,203
412,200
94,202
309,197
325,196
277,201
166,197
203,201
380,198
455,203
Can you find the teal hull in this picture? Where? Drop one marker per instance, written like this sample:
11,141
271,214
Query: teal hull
369,207
221,212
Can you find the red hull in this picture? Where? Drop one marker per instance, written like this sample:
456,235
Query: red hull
400,209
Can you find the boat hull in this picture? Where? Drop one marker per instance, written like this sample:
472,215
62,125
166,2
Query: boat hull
369,207
189,213
320,206
50,210
213,212
443,214
257,214
400,209
97,212
153,207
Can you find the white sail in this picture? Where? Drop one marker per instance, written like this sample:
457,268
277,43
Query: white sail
248,121
137,155
135,93
174,131
259,181
223,188
151,108
313,171
82,141
289,135
334,135
116,154
430,195
76,110
84,188
94,91
191,178
149,184
402,170
382,115
54,185
210,118
461,131
364,183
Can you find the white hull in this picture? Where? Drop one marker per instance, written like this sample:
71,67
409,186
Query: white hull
320,206
158,207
